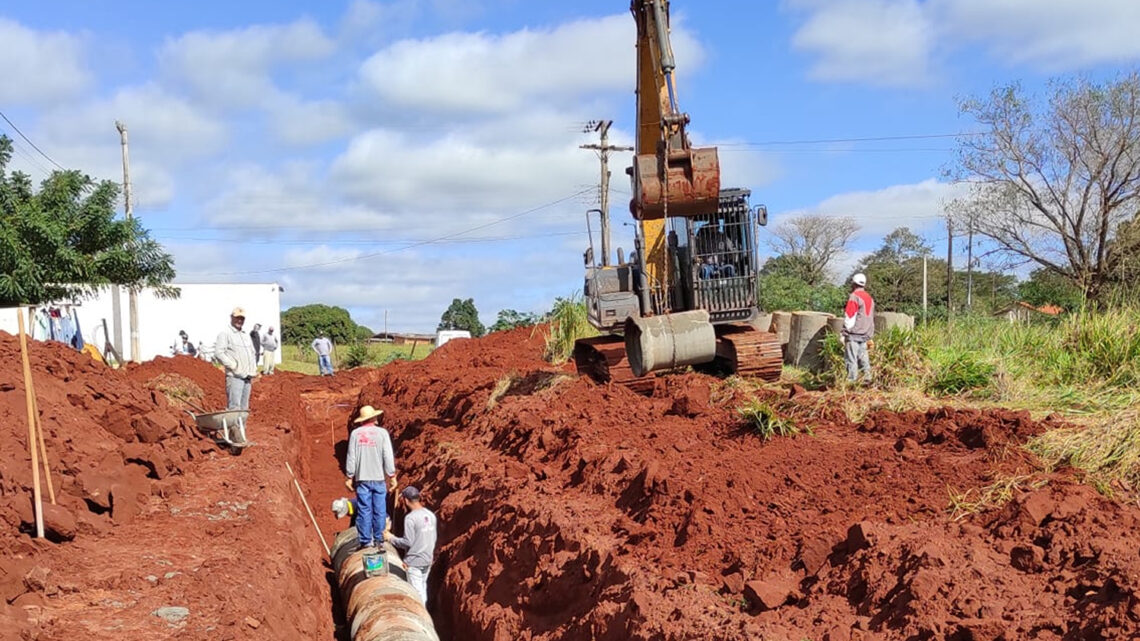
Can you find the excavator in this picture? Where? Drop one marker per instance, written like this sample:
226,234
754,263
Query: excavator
686,294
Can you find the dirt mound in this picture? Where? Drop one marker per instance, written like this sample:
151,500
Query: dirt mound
157,533
576,511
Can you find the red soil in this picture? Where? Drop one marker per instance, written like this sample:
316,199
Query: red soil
573,511
568,510
151,514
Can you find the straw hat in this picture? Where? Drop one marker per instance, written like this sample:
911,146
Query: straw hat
368,412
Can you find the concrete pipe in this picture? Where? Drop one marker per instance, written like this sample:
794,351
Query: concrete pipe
835,325
669,341
781,326
884,321
762,322
805,340
378,608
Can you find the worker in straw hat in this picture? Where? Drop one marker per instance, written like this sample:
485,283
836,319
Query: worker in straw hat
371,470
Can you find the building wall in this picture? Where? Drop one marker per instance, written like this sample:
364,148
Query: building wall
202,310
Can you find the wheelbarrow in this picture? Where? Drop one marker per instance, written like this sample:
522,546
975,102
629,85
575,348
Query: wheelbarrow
226,427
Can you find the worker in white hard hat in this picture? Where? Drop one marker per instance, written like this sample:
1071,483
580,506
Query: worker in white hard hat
858,329
234,350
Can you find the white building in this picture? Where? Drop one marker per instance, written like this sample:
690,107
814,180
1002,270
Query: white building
202,310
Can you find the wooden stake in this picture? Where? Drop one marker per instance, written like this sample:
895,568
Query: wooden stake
30,402
306,504
43,448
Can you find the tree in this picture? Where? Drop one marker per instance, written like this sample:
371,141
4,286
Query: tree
1045,287
781,287
894,270
64,241
1052,180
461,314
300,325
815,241
510,319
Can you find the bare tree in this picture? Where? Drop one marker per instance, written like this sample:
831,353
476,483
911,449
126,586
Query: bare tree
1052,180
815,241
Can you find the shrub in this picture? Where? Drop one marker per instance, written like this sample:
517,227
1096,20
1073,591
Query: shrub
957,372
568,322
356,355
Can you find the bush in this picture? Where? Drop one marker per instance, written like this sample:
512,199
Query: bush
957,372
568,322
357,355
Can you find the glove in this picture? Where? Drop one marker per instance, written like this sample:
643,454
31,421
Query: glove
392,483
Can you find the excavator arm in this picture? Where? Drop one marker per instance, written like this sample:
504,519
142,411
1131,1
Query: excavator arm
670,177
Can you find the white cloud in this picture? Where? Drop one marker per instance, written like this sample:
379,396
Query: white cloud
486,73
299,122
878,212
40,67
882,42
1056,35
895,42
234,68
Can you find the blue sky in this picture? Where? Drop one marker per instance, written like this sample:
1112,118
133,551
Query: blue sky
391,156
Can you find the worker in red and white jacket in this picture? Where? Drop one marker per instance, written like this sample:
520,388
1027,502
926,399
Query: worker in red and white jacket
858,329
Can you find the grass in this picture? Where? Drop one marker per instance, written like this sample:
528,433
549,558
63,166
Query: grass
996,494
768,423
568,322
304,360
1107,450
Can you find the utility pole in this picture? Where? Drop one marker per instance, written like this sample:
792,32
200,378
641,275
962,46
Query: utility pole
604,149
132,292
949,268
924,289
970,264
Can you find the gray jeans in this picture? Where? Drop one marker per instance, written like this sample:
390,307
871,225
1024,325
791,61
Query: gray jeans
418,578
855,353
237,392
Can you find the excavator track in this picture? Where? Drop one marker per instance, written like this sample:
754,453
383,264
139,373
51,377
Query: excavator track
744,351
603,359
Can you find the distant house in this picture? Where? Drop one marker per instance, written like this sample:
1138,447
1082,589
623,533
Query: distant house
401,338
1022,312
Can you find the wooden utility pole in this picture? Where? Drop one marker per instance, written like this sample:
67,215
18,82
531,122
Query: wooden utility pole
30,401
604,149
970,265
924,290
132,292
949,267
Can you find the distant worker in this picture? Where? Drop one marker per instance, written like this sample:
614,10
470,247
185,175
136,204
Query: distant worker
269,345
418,540
255,338
323,347
185,346
858,329
716,252
371,470
234,350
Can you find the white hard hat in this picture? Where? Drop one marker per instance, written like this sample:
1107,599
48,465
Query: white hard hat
859,279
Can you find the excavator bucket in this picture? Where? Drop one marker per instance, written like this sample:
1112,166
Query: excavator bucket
689,183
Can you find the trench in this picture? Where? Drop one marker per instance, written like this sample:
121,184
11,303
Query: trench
324,432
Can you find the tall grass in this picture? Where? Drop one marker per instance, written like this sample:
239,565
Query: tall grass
568,321
1108,450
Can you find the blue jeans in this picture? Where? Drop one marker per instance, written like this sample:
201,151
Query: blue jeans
371,511
324,361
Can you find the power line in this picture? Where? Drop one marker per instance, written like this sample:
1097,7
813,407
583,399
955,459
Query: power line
28,140
397,249
823,141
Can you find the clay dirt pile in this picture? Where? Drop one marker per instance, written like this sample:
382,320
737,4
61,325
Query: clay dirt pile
157,534
574,511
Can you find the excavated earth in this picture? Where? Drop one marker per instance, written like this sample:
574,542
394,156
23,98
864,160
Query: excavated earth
568,510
